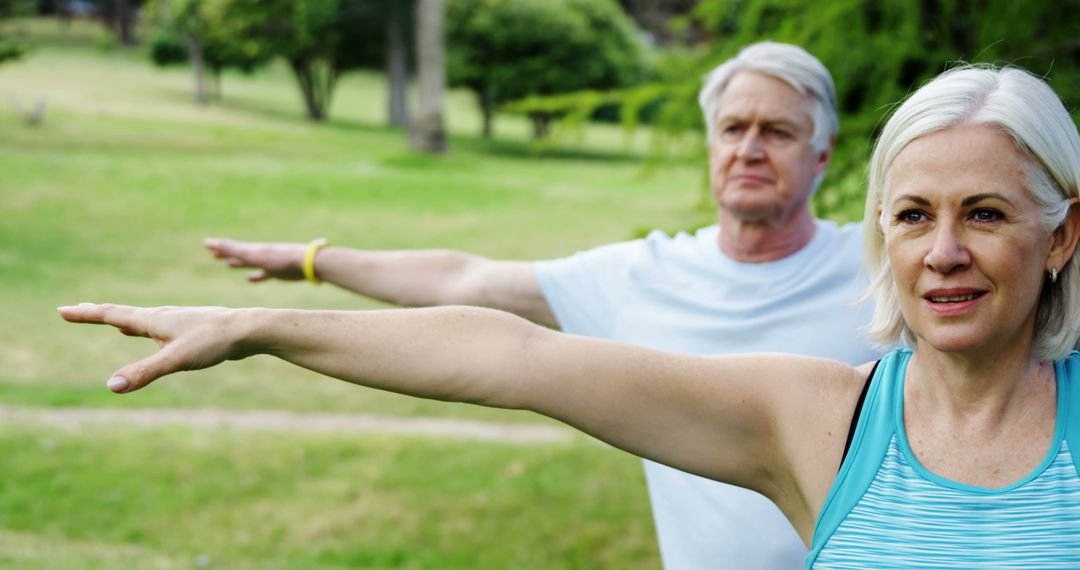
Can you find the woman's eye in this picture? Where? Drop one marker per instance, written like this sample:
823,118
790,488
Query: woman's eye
911,216
987,215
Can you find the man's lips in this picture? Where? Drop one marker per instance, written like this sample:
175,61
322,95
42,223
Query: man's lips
751,179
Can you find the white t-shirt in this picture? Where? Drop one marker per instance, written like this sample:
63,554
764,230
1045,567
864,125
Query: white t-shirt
682,294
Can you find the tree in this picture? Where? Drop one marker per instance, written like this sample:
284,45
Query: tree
427,132
503,50
211,35
118,16
320,39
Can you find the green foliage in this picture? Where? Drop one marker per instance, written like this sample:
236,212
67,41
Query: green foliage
321,39
877,51
10,48
219,29
503,50
167,48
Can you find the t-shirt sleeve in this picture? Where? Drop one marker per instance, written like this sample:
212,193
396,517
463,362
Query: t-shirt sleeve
584,290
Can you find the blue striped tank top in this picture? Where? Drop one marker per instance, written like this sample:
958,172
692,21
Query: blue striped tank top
885,510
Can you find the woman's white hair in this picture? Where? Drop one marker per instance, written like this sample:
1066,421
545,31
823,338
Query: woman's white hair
1024,108
790,64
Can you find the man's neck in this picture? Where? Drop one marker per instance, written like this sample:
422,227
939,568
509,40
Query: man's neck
762,242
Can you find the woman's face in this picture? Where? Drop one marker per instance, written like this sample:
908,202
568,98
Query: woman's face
965,240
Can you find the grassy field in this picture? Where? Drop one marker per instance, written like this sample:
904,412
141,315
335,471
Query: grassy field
109,199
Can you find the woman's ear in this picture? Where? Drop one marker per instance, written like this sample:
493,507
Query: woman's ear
1063,240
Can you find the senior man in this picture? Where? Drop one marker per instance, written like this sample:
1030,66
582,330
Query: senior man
767,277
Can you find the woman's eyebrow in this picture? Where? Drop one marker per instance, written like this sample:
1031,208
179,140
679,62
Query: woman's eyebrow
970,200
913,198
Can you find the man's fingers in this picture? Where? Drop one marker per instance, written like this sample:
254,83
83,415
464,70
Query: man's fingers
130,320
235,254
226,249
137,375
238,262
256,276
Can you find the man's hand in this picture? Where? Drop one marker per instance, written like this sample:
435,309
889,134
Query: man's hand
271,260
190,338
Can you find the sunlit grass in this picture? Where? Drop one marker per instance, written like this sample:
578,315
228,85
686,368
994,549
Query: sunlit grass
109,200
110,498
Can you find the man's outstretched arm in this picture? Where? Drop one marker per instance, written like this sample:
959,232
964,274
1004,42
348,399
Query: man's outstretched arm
410,278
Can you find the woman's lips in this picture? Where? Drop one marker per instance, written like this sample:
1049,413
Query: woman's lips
951,302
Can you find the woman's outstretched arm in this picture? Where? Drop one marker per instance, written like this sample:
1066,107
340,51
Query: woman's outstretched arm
729,418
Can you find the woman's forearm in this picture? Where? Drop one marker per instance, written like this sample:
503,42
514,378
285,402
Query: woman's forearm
464,354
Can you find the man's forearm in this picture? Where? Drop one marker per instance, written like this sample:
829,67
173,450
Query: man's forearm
409,278
435,277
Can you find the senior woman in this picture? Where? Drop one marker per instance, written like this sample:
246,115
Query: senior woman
952,450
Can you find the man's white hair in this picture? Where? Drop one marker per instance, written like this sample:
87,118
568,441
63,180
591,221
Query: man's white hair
788,63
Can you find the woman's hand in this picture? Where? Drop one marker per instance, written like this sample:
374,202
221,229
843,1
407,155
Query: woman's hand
190,338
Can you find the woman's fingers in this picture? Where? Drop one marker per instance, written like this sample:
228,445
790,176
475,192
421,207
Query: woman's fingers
189,338
138,374
130,320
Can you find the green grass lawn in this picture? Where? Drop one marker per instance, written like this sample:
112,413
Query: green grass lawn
108,200
114,499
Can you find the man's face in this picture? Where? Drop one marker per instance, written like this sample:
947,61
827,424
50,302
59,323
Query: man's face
762,165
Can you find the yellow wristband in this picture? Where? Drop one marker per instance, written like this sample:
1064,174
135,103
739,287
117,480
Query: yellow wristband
313,247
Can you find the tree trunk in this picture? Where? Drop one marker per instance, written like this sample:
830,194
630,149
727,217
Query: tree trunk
125,22
198,67
541,123
215,83
317,81
427,132
397,70
108,16
486,109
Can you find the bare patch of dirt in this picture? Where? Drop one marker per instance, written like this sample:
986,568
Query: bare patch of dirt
292,422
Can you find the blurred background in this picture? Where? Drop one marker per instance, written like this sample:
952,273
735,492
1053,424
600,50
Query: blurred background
516,129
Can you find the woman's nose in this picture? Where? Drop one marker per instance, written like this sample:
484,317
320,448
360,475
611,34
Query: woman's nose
948,252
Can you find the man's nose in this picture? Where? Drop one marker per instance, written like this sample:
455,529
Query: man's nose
751,147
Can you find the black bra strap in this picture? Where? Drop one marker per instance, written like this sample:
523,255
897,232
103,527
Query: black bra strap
858,411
